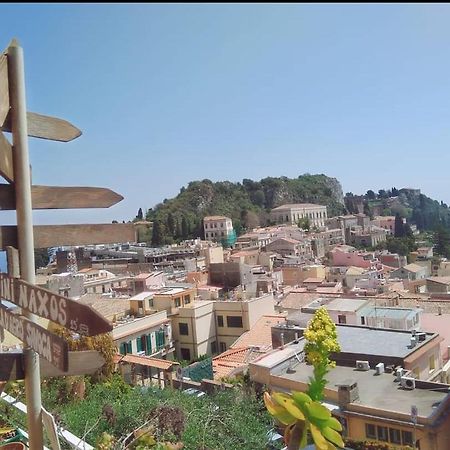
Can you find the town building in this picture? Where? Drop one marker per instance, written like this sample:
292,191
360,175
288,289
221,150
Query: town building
372,402
219,229
292,213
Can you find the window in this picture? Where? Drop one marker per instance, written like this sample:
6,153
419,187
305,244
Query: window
220,321
185,354
177,302
213,347
395,436
234,321
222,346
342,319
184,329
187,299
407,438
363,320
382,433
432,363
370,431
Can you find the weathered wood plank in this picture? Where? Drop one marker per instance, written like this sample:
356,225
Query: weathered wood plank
64,311
47,127
11,366
6,159
80,363
61,197
51,347
84,234
4,90
78,234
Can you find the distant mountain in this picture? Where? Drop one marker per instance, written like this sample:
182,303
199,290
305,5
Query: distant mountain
248,203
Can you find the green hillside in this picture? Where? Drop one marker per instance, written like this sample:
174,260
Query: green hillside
248,203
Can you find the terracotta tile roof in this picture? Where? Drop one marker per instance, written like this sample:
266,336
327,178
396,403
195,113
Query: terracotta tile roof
162,364
232,361
260,333
297,299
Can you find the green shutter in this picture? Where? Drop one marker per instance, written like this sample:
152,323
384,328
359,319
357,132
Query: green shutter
129,347
149,344
139,344
123,348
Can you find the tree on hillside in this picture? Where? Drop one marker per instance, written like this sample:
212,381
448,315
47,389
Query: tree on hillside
170,224
382,193
158,233
371,195
395,192
185,227
441,240
140,215
399,228
304,223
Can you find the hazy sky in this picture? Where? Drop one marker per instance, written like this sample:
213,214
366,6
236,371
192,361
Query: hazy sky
166,94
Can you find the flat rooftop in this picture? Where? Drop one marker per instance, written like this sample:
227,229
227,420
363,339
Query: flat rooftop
377,341
376,391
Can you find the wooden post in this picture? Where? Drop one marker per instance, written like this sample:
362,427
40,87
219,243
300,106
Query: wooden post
22,178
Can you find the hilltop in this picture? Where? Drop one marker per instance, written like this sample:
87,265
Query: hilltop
247,203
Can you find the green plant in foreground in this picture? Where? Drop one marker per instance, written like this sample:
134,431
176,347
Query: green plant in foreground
302,413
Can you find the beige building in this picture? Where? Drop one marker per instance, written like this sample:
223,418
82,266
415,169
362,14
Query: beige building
295,275
292,213
233,318
370,406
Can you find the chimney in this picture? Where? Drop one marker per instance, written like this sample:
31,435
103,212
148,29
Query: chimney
347,393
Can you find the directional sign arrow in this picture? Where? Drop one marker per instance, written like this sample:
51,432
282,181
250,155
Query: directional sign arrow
68,313
48,345
79,234
58,197
47,127
80,363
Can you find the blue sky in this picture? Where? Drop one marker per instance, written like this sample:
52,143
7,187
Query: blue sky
166,94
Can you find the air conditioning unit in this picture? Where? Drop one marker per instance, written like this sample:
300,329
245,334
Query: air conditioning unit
398,374
362,365
408,383
379,368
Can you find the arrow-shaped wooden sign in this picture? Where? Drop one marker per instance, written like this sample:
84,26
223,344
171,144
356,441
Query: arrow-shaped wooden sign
78,234
57,197
47,127
80,363
51,347
68,313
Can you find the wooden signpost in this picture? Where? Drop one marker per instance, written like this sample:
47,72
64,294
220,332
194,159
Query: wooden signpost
18,286
51,347
75,316
84,362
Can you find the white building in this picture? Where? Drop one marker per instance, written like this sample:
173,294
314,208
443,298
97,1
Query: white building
217,227
292,213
